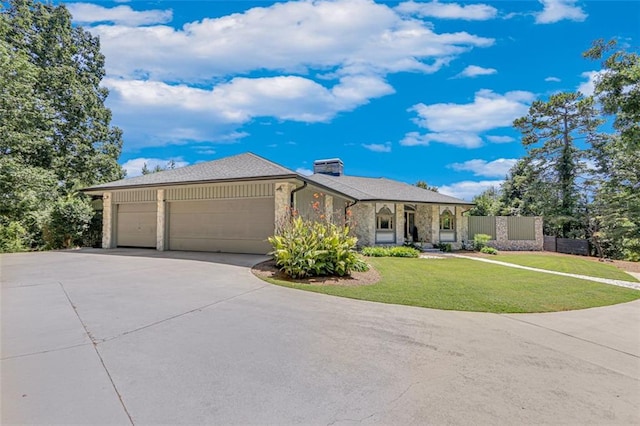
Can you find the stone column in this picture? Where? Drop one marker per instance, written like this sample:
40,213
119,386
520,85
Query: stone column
502,233
459,225
328,207
107,220
399,224
539,233
435,224
160,221
282,198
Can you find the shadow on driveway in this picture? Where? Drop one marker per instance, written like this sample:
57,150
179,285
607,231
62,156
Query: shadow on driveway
235,259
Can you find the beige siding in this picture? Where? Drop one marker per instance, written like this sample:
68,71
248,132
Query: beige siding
135,196
212,192
482,225
136,225
521,228
231,225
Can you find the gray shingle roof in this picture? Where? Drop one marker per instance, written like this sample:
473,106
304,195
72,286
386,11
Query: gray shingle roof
238,167
249,166
382,189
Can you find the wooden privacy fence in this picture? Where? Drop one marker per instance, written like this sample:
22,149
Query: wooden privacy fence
566,245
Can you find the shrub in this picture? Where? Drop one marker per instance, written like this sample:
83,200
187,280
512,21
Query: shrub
306,248
13,238
445,247
631,249
480,241
390,252
68,221
488,250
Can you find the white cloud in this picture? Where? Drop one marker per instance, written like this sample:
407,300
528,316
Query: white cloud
182,113
587,87
378,147
460,139
474,71
559,10
342,36
304,171
87,13
499,139
435,9
462,124
317,59
553,79
135,165
495,168
466,190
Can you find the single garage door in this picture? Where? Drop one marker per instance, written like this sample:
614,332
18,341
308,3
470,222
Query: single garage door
232,226
136,225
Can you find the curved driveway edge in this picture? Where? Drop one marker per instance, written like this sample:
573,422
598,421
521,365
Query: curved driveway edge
139,337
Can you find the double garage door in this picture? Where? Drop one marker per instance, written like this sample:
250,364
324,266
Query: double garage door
232,225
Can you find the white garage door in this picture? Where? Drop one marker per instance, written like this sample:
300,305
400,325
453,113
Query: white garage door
232,226
136,225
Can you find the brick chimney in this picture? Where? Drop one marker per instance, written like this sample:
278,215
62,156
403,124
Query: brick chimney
331,166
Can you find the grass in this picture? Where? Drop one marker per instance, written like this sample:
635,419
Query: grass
467,285
568,264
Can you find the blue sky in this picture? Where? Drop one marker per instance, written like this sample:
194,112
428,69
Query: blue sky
407,90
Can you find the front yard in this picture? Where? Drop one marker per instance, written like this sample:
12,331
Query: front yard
467,285
563,263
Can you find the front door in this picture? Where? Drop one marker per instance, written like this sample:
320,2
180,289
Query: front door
409,224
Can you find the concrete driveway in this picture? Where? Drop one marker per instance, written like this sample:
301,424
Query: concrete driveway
141,337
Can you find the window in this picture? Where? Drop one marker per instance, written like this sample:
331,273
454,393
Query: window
447,221
384,219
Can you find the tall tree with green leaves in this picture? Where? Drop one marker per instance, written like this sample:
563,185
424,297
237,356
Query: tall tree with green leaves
56,133
549,132
617,88
65,60
488,203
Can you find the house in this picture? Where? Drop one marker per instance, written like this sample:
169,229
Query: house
233,204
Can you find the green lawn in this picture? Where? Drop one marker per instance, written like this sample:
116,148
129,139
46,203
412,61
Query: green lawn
569,264
467,285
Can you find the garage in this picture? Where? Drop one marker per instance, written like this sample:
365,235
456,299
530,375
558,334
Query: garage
136,225
239,225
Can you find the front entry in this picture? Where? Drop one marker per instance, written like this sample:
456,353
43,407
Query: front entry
410,230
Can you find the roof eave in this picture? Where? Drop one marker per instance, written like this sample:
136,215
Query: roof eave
192,182
440,203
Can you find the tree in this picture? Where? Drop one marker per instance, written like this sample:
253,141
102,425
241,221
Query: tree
549,132
422,184
56,135
617,88
616,204
171,164
488,203
63,78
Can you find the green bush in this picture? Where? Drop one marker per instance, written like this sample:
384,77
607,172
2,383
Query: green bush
445,247
488,250
631,249
390,252
305,248
13,238
480,241
68,221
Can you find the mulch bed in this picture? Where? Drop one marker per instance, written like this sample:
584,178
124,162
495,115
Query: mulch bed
269,269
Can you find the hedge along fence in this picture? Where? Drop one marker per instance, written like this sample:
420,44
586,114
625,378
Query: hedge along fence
509,232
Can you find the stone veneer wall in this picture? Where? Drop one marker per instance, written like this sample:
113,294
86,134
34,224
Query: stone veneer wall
424,218
363,223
